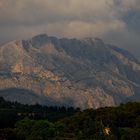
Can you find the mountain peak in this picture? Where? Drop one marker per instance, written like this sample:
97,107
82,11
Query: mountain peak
85,73
40,36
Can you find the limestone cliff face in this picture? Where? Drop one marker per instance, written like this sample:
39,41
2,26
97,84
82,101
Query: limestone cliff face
83,73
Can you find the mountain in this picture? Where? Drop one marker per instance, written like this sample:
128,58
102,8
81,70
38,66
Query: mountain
85,73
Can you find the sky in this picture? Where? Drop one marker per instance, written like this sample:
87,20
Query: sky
115,21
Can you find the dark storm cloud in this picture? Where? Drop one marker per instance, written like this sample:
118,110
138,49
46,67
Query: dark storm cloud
108,19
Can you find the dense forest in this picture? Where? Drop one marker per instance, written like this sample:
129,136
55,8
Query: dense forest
36,122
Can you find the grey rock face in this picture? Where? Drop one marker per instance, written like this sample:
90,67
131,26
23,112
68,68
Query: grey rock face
84,73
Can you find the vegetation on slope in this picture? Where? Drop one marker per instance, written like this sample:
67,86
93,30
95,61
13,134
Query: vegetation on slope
24,122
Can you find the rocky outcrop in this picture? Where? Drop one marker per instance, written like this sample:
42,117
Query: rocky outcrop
84,73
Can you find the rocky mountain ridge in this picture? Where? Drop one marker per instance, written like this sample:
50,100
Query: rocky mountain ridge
84,73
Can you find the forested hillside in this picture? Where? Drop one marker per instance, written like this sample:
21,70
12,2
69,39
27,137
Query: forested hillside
35,122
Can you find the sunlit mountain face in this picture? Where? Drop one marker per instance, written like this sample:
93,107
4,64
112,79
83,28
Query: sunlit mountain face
85,73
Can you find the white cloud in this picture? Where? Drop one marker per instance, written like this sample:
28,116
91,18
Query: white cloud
70,18
131,4
84,29
90,15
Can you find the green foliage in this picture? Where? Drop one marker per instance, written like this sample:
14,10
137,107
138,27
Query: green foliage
17,111
109,123
8,134
90,124
40,129
129,134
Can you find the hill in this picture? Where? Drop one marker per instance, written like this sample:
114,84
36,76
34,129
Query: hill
85,73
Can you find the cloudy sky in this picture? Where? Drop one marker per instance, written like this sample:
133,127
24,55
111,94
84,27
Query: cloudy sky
115,21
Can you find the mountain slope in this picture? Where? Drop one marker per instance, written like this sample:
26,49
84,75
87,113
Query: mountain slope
82,73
